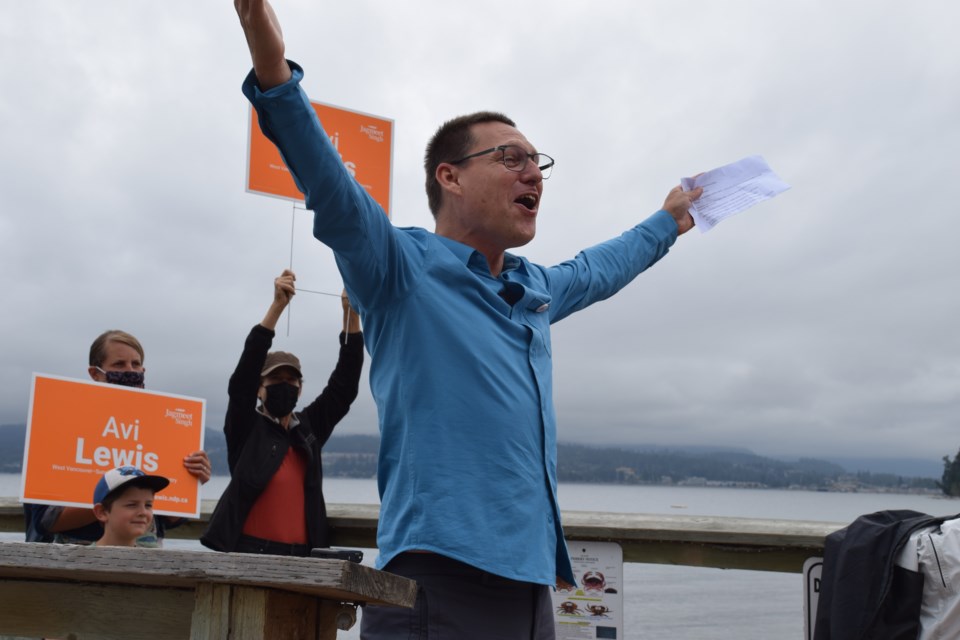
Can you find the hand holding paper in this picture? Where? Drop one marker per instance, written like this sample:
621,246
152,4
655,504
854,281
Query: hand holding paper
678,203
731,189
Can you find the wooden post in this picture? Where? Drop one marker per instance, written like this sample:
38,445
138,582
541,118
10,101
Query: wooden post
211,612
226,612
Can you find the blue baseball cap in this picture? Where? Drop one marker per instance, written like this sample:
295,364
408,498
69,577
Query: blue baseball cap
119,477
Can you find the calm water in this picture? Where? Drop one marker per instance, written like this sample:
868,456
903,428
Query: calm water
663,601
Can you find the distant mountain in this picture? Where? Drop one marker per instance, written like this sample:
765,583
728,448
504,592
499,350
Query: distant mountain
11,447
690,448
911,467
356,456
907,467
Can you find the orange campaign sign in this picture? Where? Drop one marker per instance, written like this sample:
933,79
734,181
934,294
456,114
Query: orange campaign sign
364,142
79,429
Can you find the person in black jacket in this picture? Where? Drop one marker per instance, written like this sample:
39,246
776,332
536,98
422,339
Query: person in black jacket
274,502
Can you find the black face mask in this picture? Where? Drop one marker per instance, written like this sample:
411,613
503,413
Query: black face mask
124,378
281,399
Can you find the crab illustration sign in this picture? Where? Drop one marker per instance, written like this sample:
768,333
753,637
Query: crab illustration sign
364,142
79,429
594,607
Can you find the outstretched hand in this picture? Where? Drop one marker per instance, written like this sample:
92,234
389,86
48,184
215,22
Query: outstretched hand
265,41
678,204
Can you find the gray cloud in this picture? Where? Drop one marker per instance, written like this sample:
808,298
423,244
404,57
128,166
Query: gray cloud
818,323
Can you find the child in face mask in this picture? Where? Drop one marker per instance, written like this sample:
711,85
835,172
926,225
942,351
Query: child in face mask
274,502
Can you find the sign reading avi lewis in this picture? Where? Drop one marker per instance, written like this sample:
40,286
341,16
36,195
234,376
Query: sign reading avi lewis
364,142
78,429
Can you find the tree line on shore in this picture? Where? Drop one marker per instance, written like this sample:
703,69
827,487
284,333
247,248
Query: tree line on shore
355,456
950,481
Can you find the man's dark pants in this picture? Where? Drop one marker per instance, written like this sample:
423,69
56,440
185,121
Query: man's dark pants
456,601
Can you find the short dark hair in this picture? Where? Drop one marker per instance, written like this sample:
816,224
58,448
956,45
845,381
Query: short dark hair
451,141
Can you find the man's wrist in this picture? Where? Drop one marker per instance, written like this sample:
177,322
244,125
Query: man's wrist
273,75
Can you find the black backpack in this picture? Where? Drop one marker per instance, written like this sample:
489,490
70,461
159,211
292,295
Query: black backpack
863,593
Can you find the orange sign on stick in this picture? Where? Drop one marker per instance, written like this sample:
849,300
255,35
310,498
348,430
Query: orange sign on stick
78,429
364,142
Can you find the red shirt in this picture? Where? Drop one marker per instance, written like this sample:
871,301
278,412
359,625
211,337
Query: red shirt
278,514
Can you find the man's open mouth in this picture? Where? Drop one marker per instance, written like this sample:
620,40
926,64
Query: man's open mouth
528,200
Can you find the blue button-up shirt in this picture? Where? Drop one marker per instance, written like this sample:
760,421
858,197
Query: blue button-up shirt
462,379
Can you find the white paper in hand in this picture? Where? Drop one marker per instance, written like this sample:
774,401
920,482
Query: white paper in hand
731,189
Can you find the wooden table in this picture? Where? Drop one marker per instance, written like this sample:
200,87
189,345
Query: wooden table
58,591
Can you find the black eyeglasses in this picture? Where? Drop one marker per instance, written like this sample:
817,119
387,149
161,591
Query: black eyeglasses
515,158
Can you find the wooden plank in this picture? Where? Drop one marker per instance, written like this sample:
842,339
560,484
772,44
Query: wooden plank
328,612
211,612
702,541
226,612
332,579
287,616
701,529
730,543
248,614
58,610
745,557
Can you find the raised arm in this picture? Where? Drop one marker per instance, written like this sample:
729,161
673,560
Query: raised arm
245,380
376,262
283,291
334,401
265,41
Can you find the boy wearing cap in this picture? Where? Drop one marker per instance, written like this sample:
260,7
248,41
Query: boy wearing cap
123,503
274,502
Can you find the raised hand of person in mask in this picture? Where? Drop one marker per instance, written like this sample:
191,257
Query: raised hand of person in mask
283,291
351,320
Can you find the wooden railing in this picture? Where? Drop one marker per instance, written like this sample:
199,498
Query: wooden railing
698,541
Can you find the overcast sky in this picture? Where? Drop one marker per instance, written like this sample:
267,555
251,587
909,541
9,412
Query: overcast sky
822,322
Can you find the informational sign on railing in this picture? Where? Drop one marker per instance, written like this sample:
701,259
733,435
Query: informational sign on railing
812,569
594,607
79,429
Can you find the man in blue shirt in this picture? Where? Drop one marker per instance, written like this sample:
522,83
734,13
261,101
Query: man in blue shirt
458,331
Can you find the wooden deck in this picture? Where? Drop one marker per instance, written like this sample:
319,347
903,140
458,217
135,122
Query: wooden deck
699,541
50,590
